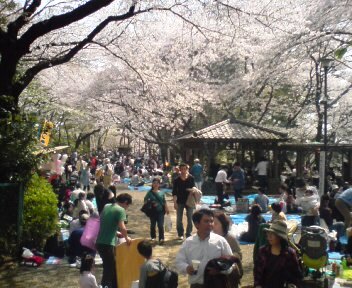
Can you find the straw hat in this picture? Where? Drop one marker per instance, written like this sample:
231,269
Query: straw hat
279,228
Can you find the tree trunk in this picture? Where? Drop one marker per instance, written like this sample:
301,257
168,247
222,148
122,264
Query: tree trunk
83,137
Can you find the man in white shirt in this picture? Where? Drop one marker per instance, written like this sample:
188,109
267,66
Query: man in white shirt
262,172
203,246
220,179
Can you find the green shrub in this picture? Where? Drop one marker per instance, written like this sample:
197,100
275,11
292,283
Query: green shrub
40,211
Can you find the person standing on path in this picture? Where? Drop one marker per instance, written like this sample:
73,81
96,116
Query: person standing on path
159,204
181,188
262,170
238,179
111,221
197,172
220,180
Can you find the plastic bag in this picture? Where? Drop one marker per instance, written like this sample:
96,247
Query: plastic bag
168,223
27,253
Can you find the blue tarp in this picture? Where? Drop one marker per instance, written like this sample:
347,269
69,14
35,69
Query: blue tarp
239,218
146,188
139,188
210,199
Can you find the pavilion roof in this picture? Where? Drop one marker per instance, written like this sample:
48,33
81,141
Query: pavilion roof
235,130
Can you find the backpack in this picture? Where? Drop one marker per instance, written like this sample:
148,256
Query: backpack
166,278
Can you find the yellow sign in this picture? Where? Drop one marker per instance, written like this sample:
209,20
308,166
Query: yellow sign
46,132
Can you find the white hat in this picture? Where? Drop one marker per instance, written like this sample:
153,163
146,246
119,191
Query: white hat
334,186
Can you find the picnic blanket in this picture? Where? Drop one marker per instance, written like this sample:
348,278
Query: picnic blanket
210,199
240,225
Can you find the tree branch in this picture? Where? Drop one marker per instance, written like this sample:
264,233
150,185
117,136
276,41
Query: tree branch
56,22
15,26
31,72
267,105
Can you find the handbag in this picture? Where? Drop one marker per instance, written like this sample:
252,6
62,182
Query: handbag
148,209
90,233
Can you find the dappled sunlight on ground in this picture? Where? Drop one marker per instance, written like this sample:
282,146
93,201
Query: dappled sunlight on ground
62,275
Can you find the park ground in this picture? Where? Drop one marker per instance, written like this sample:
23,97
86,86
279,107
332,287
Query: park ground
61,275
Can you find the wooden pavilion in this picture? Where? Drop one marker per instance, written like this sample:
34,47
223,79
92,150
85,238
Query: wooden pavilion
250,142
246,139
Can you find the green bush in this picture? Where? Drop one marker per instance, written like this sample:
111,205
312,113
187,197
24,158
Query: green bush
40,211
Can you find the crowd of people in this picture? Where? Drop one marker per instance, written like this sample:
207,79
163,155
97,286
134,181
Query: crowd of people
84,180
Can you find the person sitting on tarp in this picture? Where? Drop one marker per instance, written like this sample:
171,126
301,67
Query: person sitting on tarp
291,206
262,200
75,248
326,215
254,219
136,179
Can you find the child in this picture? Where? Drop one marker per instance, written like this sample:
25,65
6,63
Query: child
87,279
151,267
310,206
277,213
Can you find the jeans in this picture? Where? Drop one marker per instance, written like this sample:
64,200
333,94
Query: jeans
107,254
179,216
157,219
199,185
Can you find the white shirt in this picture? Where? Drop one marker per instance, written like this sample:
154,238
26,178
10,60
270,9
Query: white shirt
87,280
221,177
262,168
205,250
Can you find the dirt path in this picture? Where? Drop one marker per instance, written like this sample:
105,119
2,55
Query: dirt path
62,275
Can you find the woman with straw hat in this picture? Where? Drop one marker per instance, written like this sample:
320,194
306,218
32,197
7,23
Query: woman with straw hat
277,265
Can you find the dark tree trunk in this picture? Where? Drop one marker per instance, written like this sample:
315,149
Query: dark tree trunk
14,47
83,137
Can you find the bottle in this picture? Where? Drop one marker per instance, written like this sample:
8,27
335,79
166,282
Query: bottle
344,263
341,270
333,268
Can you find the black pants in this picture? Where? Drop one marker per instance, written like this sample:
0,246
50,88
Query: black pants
220,192
238,193
107,254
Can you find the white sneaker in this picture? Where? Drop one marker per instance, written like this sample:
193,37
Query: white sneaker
78,263
180,238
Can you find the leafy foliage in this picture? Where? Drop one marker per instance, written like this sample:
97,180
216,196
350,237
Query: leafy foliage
17,144
40,211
